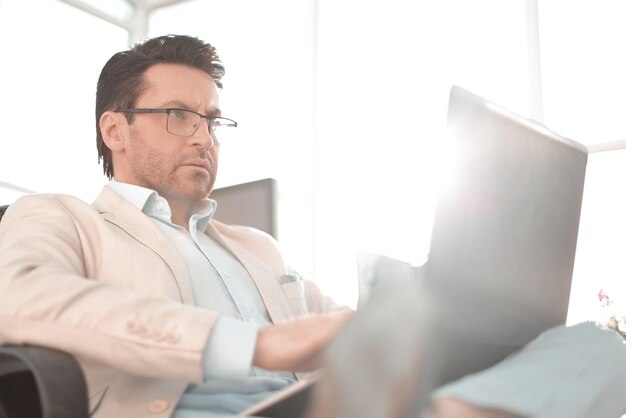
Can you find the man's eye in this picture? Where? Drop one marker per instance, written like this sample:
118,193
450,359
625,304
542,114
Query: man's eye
178,114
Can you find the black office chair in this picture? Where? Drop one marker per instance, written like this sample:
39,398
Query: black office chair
38,382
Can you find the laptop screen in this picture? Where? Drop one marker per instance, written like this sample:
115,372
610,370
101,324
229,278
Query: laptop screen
505,229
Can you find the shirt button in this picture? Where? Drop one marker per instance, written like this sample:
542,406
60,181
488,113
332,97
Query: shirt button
226,274
159,206
158,406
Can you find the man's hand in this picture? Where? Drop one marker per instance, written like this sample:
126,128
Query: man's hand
298,344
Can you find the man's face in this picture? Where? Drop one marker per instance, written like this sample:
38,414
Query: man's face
180,169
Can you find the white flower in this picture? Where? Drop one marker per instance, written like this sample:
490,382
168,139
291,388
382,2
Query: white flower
613,323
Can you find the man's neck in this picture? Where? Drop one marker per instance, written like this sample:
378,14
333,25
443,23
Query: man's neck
181,212
181,207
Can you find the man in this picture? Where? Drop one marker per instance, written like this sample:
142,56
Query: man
169,312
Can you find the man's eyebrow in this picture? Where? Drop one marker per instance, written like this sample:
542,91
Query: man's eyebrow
213,111
176,103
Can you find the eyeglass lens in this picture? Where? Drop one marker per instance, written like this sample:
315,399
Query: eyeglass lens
182,122
186,123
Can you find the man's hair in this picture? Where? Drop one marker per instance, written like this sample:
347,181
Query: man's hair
121,80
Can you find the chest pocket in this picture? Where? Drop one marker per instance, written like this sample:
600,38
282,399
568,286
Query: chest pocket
293,289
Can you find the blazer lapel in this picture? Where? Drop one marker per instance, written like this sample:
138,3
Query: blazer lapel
263,276
119,212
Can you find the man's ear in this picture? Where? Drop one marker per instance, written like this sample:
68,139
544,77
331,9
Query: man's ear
113,127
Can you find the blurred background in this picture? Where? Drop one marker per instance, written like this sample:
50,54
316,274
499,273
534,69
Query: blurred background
344,103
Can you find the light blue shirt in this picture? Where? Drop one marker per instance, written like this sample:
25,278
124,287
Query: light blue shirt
220,283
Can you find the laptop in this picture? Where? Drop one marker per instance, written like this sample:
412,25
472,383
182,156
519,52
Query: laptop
504,235
503,242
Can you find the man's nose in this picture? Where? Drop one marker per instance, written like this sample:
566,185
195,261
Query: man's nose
203,136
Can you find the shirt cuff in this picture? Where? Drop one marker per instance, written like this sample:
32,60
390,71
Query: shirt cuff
229,350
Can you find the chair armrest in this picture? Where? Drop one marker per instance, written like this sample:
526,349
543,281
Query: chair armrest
52,379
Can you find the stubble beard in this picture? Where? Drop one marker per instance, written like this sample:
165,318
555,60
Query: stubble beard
156,173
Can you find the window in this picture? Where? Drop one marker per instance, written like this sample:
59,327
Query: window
48,83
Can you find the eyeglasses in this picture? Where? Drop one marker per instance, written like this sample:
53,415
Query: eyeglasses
184,122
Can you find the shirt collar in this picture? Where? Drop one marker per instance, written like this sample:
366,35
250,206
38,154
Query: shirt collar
150,203
133,194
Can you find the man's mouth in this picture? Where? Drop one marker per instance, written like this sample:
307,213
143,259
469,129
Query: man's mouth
200,163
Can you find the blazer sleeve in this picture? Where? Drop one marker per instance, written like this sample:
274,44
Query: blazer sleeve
48,299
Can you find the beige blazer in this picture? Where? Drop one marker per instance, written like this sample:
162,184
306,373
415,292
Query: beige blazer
103,283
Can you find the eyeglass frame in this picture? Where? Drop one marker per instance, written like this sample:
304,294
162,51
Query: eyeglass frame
167,111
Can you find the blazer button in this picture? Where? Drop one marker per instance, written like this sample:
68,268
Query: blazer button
158,406
173,338
144,332
132,327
